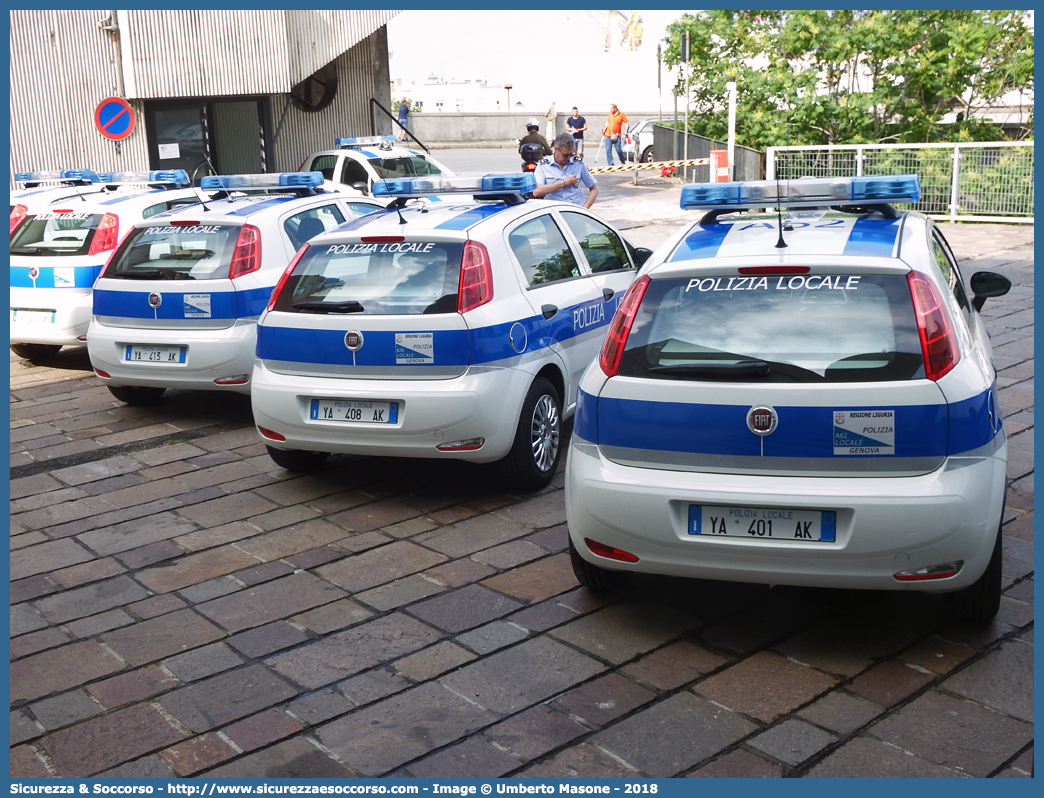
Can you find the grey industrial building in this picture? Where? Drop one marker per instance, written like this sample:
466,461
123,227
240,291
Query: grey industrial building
212,91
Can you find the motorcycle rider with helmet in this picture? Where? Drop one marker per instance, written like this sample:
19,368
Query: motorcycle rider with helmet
533,137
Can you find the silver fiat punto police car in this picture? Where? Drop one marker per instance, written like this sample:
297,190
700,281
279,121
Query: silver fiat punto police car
177,305
801,400
451,330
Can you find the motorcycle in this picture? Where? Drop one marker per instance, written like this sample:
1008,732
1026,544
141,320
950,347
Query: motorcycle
531,156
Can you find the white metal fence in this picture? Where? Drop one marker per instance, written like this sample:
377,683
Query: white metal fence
968,182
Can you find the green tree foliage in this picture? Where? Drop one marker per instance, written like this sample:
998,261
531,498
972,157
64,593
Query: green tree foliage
824,77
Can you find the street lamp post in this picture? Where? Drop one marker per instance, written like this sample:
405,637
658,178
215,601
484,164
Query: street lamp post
730,86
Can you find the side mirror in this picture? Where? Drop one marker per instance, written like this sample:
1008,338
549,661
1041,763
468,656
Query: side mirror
362,187
988,284
641,255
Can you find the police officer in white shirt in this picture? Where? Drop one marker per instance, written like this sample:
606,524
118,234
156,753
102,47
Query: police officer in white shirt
559,177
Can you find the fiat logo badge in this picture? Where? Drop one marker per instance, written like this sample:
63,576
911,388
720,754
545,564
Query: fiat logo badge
155,300
762,420
353,340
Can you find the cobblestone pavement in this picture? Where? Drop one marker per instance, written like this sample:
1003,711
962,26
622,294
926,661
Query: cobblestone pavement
181,606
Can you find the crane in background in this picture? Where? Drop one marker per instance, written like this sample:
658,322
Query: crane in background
627,25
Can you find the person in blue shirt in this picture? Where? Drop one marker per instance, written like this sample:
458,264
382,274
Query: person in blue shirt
559,177
404,119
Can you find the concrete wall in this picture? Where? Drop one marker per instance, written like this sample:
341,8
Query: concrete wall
471,129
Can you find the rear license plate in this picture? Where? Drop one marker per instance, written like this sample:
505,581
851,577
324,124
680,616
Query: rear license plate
355,412
136,353
34,316
762,523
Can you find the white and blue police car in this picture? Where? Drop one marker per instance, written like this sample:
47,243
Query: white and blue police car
63,243
39,189
357,162
177,305
801,401
455,330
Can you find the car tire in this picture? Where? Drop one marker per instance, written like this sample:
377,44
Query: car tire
647,154
297,460
537,448
136,395
34,353
600,580
978,603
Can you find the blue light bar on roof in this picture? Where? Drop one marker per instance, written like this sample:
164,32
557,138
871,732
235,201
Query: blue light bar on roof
57,176
174,177
477,185
804,192
282,180
364,141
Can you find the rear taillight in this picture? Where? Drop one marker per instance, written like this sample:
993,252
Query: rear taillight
938,340
476,278
107,235
610,552
286,276
246,257
616,338
529,167
17,216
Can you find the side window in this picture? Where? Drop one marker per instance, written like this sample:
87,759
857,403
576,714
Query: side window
542,251
948,266
354,172
152,210
325,164
305,225
357,209
602,247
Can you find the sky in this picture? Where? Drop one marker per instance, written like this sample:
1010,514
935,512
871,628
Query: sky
541,53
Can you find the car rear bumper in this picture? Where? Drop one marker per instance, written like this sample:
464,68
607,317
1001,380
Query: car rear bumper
884,525
483,404
70,315
210,355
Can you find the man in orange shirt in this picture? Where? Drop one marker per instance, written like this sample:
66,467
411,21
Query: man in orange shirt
615,130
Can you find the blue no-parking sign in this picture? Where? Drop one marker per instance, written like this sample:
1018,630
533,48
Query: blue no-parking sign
114,118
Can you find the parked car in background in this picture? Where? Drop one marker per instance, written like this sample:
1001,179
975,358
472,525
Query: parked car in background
357,162
59,248
177,305
639,141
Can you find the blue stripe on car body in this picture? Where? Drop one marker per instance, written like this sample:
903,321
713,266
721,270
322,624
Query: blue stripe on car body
702,242
84,276
486,344
920,430
873,237
236,304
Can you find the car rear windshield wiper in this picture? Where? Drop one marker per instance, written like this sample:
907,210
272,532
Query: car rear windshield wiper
26,251
351,306
139,274
746,368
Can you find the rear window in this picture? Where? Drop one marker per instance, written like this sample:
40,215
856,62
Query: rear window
52,233
805,328
405,166
175,252
375,279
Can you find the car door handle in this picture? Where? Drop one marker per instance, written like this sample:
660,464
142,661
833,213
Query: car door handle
608,293
548,311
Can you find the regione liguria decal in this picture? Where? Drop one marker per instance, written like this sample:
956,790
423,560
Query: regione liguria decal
864,432
197,306
414,349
